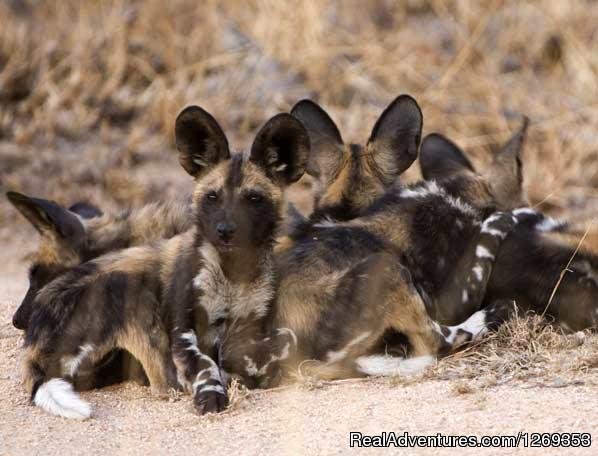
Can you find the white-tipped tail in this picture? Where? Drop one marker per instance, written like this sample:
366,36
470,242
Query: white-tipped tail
57,397
390,366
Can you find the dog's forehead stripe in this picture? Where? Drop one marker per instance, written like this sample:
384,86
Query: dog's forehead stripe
235,172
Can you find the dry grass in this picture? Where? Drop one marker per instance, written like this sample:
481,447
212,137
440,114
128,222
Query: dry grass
526,349
89,89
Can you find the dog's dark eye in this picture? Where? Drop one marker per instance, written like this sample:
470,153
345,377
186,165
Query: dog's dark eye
212,196
255,197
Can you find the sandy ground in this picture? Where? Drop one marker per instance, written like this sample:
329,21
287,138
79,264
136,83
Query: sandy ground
302,420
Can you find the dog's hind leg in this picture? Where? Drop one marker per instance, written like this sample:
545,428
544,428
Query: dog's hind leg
151,347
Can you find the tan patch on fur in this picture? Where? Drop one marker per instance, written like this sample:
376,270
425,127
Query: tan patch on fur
572,240
333,191
392,227
171,249
159,220
381,161
298,297
136,340
32,356
255,178
52,251
478,192
131,260
283,244
213,180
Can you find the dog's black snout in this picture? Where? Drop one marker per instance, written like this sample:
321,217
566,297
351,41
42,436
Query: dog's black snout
18,321
226,231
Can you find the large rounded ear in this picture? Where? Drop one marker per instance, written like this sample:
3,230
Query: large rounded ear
505,173
440,158
326,153
47,217
200,141
281,148
395,138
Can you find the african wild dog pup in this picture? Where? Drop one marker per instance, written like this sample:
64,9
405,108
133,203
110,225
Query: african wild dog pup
344,284
69,237
538,255
188,297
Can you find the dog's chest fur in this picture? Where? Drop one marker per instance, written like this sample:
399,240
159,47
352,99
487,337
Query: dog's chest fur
226,300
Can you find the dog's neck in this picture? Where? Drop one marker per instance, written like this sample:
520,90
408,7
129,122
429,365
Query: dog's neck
240,265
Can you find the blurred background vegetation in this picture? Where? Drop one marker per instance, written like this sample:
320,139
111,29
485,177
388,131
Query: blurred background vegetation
89,89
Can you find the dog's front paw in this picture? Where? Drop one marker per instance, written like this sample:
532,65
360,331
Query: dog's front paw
210,399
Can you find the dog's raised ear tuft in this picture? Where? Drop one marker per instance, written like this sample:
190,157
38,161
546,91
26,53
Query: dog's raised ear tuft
440,158
281,148
326,152
395,138
47,217
200,141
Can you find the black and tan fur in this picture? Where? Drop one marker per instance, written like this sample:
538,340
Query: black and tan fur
350,177
69,237
540,254
344,284
186,299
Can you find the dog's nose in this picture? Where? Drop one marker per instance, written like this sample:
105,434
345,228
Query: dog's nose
226,231
18,321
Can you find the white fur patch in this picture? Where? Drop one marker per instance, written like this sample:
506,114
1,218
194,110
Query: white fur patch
334,356
71,365
487,227
524,211
390,366
475,325
430,188
483,252
57,397
191,338
478,271
464,296
216,388
414,193
286,332
213,374
326,222
493,218
461,205
252,369
549,224
494,232
199,161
